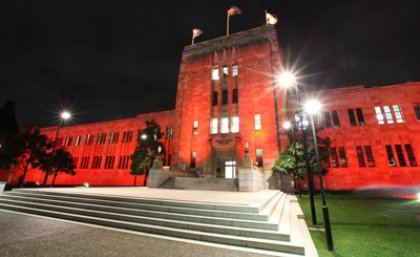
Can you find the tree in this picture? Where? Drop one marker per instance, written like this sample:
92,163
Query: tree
59,161
28,150
148,148
287,161
8,131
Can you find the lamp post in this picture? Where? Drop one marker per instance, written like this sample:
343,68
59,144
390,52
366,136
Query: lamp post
65,115
288,79
312,107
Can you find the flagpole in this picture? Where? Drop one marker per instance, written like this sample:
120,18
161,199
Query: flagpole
192,40
227,24
266,23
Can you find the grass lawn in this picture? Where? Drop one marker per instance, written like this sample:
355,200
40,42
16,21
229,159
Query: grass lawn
367,227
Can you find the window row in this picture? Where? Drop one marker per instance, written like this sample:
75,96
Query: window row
366,159
225,71
101,139
109,163
225,97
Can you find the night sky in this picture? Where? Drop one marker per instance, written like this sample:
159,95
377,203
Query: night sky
108,61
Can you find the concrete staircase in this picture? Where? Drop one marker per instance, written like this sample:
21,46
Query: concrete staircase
270,228
200,183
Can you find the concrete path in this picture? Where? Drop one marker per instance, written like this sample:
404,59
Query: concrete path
24,235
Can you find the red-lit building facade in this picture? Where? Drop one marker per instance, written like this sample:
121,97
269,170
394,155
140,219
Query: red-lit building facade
228,99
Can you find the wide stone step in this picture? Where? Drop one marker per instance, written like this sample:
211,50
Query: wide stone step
212,184
166,203
265,244
71,200
75,207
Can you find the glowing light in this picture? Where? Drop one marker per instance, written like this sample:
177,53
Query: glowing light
418,196
86,184
287,79
65,115
287,125
312,106
144,136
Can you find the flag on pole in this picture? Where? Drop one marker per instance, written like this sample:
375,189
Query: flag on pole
234,10
270,19
196,33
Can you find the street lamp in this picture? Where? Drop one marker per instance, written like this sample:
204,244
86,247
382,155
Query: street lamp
65,115
312,107
288,79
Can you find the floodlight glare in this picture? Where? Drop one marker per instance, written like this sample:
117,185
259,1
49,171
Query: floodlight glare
287,125
312,106
65,115
287,79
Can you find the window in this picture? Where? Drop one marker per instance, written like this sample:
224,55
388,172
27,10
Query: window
369,156
101,139
215,73
68,141
360,157
193,156
320,121
224,96
388,115
410,155
109,162
123,162
343,158
390,155
75,161
235,124
215,98
235,70
398,113
259,157
327,119
335,119
352,117
334,159
225,71
195,127
417,111
400,155
213,126
379,115
84,163
225,125
127,136
96,163
78,140
89,139
113,137
235,96
360,116
257,120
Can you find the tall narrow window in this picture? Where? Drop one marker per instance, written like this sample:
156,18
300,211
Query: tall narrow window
113,137
235,70
224,125
417,111
369,156
193,156
343,157
259,157
379,115
96,163
78,140
352,117
335,119
225,71
195,127
68,142
320,121
215,73
215,98
224,96
400,155
235,124
398,113
235,96
327,119
388,115
89,139
410,155
257,120
360,157
360,116
390,155
334,157
213,126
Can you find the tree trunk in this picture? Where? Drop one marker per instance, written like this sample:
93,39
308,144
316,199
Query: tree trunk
25,169
135,180
145,178
55,175
45,179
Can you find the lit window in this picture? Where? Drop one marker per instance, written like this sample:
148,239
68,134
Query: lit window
388,115
235,124
215,74
195,127
213,126
78,140
259,157
235,70
225,125
379,115
398,113
257,120
225,71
